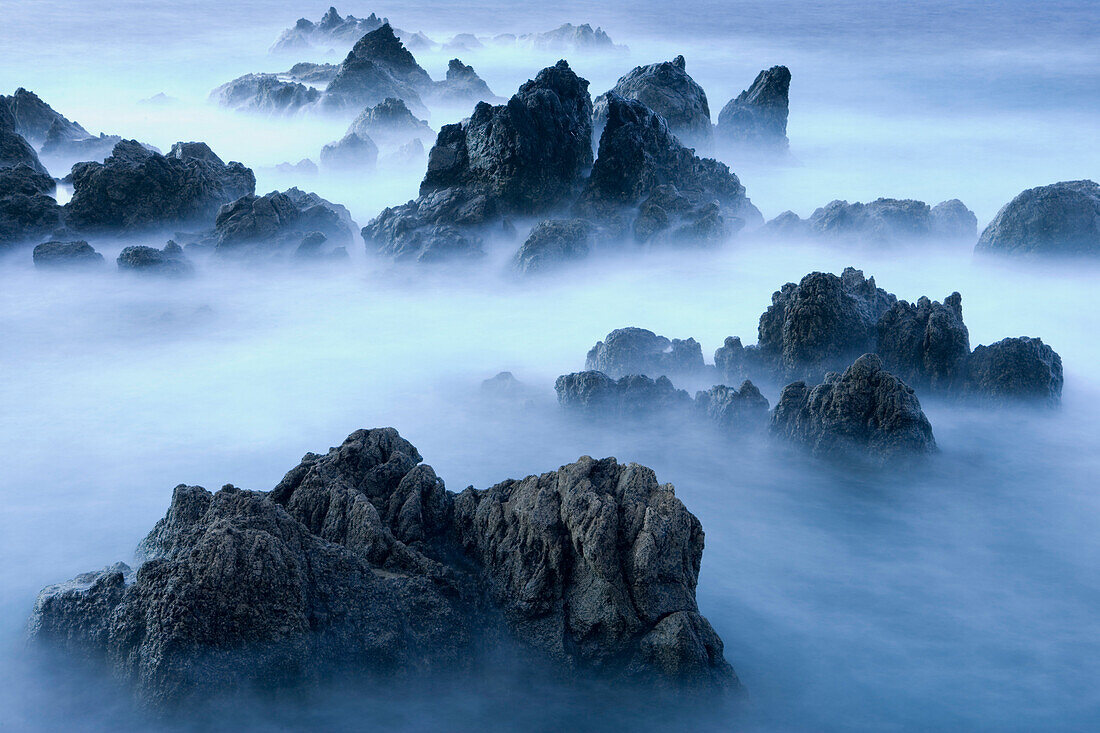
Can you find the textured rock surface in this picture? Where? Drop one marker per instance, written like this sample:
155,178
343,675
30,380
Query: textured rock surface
666,89
554,242
1015,369
15,151
865,412
757,117
378,67
462,84
311,73
66,255
28,211
595,394
880,221
1062,218
739,408
168,262
926,343
330,29
276,223
33,118
265,93
640,351
566,38
952,220
390,121
136,188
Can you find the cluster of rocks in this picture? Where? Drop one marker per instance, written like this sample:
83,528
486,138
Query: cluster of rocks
882,221
389,123
640,351
280,222
1059,219
167,262
361,560
58,139
28,209
265,93
330,29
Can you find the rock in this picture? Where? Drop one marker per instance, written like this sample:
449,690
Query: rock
463,42
553,242
15,151
66,255
639,351
666,89
566,38
33,118
378,67
952,220
733,408
330,29
352,152
312,74
822,322
462,84
265,93
881,221
390,122
649,183
276,223
734,361
168,262
788,225
925,344
137,189
504,387
409,154
80,149
595,394
1059,219
866,412
523,158
1015,369
595,565
305,167
757,118
28,210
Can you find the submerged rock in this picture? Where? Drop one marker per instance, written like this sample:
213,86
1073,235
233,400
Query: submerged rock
666,89
926,344
595,394
640,351
1015,369
66,255
553,242
864,412
265,93
168,262
1059,219
757,118
734,408
136,188
361,561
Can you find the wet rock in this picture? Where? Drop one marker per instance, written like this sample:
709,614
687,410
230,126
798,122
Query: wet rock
952,220
821,323
1015,369
595,565
666,89
595,394
330,29
757,118
66,255
28,210
925,344
865,412
378,67
462,84
640,351
265,93
168,262
352,152
136,189
1059,219
553,242
389,122
277,223
733,408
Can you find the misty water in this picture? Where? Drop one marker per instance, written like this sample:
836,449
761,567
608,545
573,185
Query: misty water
959,595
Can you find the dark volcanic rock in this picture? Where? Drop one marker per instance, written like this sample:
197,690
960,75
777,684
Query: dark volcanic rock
28,211
136,188
376,68
330,29
1015,369
758,116
277,223
93,147
666,89
66,255
1059,219
951,219
736,408
168,262
264,93
734,361
865,412
553,242
595,394
821,323
390,121
33,119
639,351
462,84
926,344
351,152
15,151
881,221
522,158
595,565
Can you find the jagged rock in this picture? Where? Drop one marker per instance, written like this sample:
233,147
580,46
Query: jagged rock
596,565
409,154
415,40
522,158
880,221
733,360
788,225
865,412
66,255
951,219
331,28
305,166
566,38
93,147
821,323
735,408
553,242
462,84
639,351
1015,369
1059,219
265,93
273,224
925,344
15,151
33,118
168,262
376,68
666,89
390,121
758,116
463,42
595,394
27,208
311,73
351,152
136,188
641,164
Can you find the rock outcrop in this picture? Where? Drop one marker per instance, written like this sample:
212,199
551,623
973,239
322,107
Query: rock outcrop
136,188
554,242
378,67
1059,219
880,221
330,29
361,561
594,394
566,38
352,152
66,256
864,412
757,117
640,351
666,89
952,220
390,122
315,75
462,84
277,223
15,151
28,210
265,93
733,408
59,138
1015,370
167,262
926,344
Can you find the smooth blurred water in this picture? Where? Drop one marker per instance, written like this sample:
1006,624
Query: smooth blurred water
959,597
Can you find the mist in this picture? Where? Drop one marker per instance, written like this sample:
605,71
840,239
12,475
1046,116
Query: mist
958,595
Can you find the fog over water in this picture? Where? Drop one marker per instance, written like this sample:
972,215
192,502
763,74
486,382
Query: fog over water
961,595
